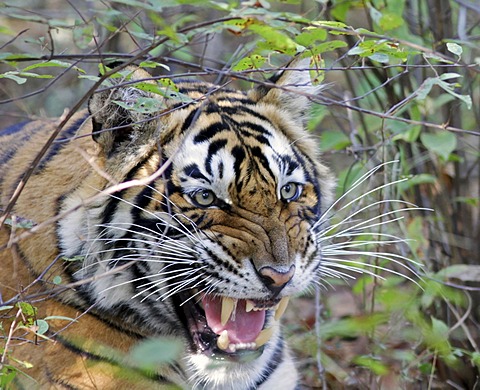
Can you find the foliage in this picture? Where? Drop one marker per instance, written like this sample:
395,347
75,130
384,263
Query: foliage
402,84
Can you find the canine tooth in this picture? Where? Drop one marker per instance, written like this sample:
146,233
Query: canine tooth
249,306
263,337
223,342
282,306
228,304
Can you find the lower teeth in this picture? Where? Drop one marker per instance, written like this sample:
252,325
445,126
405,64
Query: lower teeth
224,344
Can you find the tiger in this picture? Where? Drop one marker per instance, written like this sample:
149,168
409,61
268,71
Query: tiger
188,216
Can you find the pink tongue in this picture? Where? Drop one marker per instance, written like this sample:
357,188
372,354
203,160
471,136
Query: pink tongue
242,327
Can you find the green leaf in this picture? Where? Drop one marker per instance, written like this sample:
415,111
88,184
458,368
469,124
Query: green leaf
455,49
20,223
143,105
151,353
325,47
326,24
7,375
476,358
441,142
42,326
13,76
406,132
415,180
57,279
427,85
380,50
89,77
463,272
333,140
60,318
311,35
153,65
74,258
29,312
372,363
83,35
52,63
472,201
415,234
390,21
274,39
254,61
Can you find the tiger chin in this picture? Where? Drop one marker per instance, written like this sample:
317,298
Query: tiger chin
188,215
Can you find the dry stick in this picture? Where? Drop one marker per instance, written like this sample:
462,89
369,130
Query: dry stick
461,321
10,334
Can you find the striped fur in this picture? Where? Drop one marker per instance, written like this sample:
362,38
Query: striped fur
214,195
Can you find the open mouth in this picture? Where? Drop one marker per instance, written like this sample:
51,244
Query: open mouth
229,328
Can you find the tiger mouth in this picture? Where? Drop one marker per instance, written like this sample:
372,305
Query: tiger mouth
229,328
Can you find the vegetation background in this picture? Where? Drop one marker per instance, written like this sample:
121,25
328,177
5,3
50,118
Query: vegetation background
402,85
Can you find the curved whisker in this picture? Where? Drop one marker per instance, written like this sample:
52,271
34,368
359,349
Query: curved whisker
356,184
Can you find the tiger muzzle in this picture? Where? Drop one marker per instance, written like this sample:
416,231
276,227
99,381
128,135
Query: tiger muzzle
276,278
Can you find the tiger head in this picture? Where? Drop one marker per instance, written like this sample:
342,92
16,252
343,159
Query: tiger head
212,226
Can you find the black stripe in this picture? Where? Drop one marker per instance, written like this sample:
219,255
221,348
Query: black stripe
189,120
255,128
213,148
239,155
17,141
209,132
238,110
13,129
272,364
92,356
194,172
112,203
257,152
57,146
289,163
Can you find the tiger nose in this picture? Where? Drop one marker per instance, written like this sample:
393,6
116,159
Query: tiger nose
276,278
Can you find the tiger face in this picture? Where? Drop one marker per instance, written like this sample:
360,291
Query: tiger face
209,228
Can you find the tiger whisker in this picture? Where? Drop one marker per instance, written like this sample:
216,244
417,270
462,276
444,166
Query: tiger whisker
358,270
134,280
180,272
334,273
380,255
338,263
180,285
154,235
186,232
349,218
357,183
321,285
201,281
323,234
199,292
158,259
355,244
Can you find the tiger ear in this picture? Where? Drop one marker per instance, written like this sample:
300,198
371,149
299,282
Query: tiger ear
115,122
292,89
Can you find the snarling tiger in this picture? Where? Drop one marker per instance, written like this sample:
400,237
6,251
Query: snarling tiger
188,215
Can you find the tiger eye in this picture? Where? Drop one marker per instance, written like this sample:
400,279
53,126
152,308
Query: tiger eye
290,192
204,198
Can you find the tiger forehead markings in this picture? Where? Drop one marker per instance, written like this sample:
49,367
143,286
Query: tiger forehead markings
208,253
